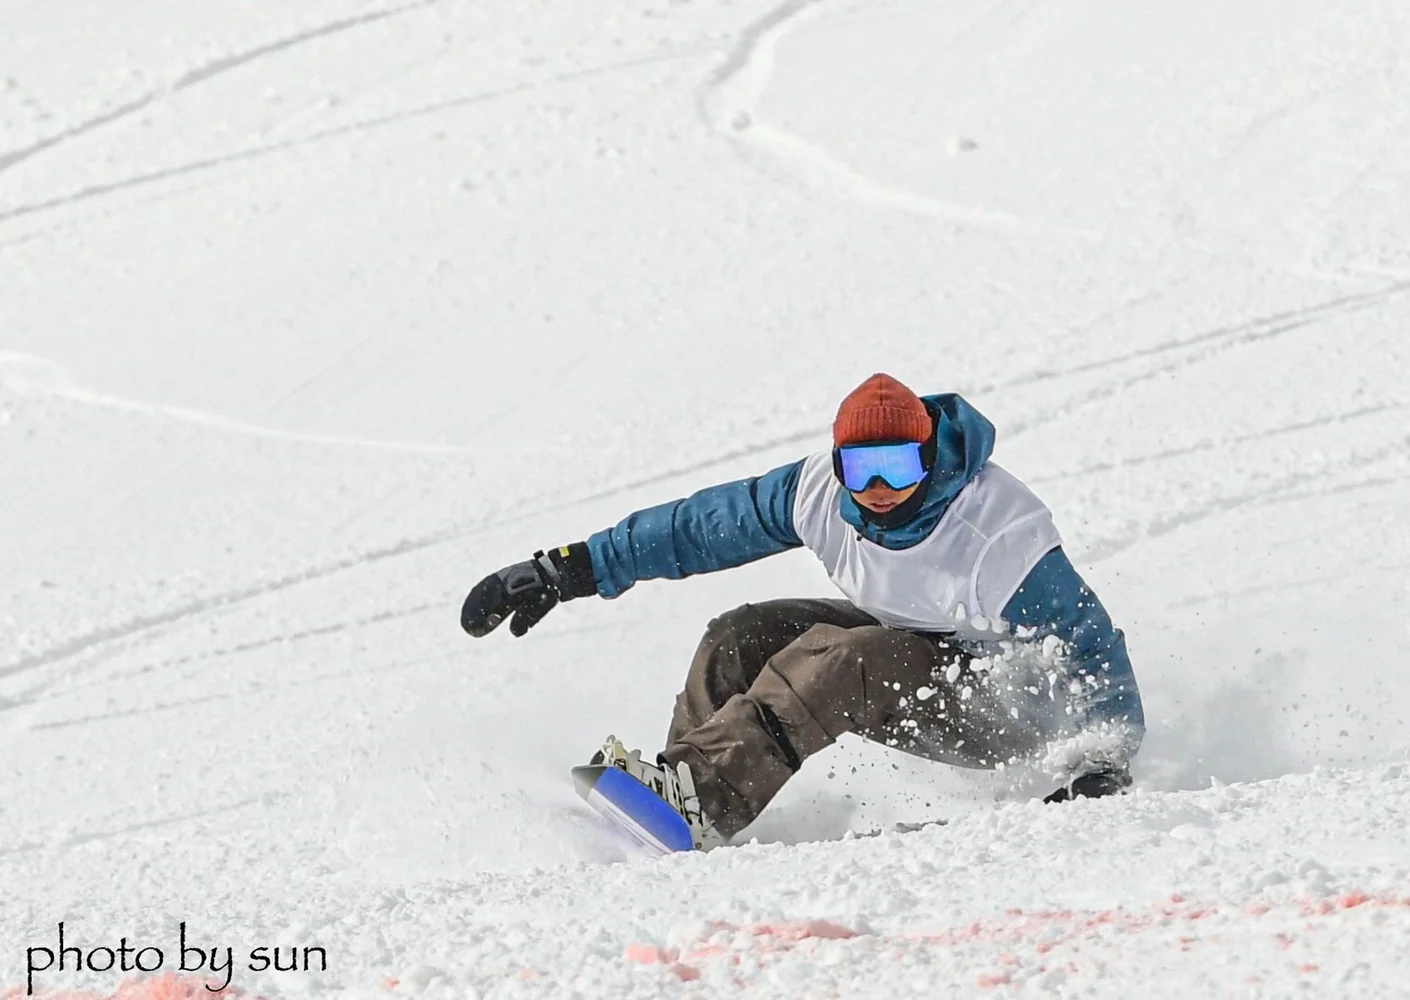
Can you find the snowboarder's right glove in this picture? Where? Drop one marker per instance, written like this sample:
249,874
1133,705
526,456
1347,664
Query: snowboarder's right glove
529,590
1096,784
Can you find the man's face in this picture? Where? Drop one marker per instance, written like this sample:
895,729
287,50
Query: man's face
880,498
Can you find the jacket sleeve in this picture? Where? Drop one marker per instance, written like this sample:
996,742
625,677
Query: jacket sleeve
716,528
1054,600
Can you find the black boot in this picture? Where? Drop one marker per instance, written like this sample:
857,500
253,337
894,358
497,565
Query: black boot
1105,780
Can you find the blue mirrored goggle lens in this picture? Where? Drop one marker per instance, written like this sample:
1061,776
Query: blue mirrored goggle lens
898,465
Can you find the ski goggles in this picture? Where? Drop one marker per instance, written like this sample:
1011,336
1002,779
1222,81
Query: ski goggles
899,466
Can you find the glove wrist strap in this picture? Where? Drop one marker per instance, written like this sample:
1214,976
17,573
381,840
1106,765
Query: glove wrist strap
569,569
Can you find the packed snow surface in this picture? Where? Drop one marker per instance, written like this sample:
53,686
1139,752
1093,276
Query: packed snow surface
312,314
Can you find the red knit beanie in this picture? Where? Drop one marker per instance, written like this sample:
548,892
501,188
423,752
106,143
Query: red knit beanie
881,409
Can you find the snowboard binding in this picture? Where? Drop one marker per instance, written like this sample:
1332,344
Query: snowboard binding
656,803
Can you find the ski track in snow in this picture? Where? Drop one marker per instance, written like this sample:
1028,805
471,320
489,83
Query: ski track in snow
151,624
1220,337
351,130
1295,427
195,77
1272,491
313,754
184,613
1206,346
728,103
79,840
29,375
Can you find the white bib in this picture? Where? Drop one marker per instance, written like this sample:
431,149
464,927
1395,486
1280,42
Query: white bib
969,566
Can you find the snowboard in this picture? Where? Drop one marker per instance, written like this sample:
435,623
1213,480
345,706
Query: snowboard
646,819
649,823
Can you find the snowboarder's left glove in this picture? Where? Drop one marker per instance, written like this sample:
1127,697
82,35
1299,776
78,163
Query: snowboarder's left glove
528,590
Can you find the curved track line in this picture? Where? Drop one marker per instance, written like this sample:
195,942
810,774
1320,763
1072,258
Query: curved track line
14,159
820,168
266,642
148,623
1229,442
756,38
1266,492
1194,349
198,76
181,704
143,624
337,132
1210,344
1340,304
1360,572
76,839
1341,489
735,88
56,382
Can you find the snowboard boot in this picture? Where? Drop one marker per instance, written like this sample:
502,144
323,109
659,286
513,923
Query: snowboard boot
673,784
1105,779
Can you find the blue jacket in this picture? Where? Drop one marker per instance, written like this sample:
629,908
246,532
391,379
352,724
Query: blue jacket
739,522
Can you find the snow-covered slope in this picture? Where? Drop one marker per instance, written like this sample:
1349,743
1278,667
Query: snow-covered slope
313,314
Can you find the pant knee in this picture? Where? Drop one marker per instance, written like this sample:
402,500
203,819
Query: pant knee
754,630
831,654
826,671
861,676
818,657
733,623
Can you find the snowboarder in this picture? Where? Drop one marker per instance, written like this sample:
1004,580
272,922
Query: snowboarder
966,635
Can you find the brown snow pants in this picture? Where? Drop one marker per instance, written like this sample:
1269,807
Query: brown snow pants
773,683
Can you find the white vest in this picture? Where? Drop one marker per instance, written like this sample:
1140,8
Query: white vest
968,567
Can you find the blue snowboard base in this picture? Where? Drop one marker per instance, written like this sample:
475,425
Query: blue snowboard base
647,819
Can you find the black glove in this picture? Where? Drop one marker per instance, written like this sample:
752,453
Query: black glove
1105,780
529,590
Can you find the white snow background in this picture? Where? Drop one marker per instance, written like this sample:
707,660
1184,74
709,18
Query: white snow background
312,314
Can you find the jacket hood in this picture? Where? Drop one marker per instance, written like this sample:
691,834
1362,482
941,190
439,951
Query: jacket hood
964,440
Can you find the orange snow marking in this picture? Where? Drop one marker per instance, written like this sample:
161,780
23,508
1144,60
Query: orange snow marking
770,937
167,986
650,954
1307,967
1043,932
824,929
1011,940
767,939
711,951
